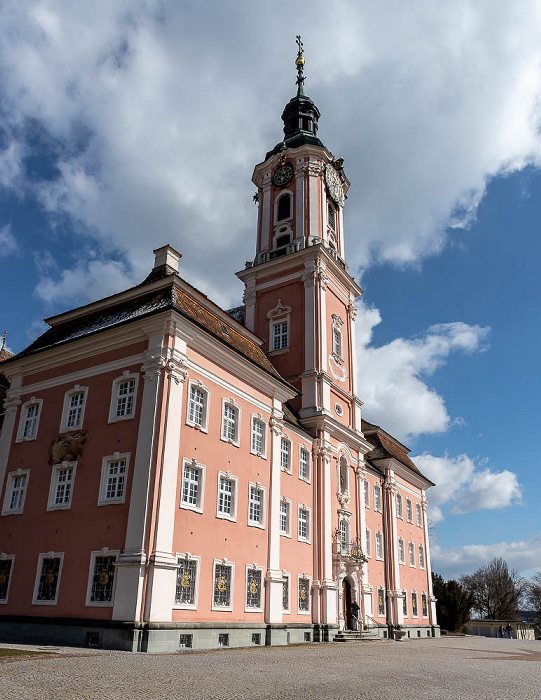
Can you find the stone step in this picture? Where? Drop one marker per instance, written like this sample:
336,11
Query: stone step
350,636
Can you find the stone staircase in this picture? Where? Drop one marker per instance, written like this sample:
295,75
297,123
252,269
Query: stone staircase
350,636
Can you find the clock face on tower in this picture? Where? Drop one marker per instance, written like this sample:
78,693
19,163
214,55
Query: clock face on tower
282,175
334,184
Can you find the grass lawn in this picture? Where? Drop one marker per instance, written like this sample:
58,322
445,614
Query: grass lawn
19,652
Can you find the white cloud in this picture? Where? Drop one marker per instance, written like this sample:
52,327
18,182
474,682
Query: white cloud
452,562
8,244
155,113
464,484
392,376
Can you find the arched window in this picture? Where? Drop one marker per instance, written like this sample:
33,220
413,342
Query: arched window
344,475
284,207
283,240
344,535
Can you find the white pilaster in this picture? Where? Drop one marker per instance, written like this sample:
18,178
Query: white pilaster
274,576
11,404
323,281
329,597
265,217
299,193
431,599
314,178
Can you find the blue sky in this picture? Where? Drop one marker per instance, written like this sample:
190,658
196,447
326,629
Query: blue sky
128,125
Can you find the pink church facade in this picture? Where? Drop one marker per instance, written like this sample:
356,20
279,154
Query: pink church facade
174,475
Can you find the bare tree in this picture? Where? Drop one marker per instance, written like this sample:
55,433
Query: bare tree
496,591
533,596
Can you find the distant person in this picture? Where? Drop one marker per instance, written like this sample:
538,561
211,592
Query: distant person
509,631
501,631
355,615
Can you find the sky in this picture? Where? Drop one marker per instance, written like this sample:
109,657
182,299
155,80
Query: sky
129,124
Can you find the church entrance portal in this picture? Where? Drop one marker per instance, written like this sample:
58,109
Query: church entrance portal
346,603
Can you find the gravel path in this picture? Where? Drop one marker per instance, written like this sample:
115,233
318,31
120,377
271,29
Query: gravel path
450,668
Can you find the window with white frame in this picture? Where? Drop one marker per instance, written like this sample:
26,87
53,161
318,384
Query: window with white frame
405,604
256,506
223,585
331,215
48,578
421,557
198,399
366,487
114,472
304,464
193,484
285,517
280,334
414,610
304,594
409,511
6,570
258,444
61,489
304,524
343,528
285,592
74,408
337,336
29,421
101,584
230,422
283,206
254,580
424,605
368,543
285,455
381,601
344,475
16,484
123,397
411,553
377,497
418,515
399,511
186,584
401,551
379,545
227,496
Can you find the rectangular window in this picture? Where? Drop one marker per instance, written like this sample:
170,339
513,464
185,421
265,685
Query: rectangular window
253,588
103,579
280,335
74,417
379,545
377,497
418,515
61,489
230,423
186,580
255,506
285,455
30,426
285,593
304,464
424,605
303,524
284,517
125,401
258,436
225,496
421,557
411,553
414,611
337,341
185,641
399,513
304,594
191,496
197,407
222,586
401,552
368,543
48,579
113,479
405,604
381,601
409,511
366,486
6,567
15,492
331,216
223,640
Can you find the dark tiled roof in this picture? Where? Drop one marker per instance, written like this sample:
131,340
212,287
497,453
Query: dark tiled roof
291,417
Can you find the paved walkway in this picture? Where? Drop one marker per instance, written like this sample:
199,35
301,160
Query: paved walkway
449,668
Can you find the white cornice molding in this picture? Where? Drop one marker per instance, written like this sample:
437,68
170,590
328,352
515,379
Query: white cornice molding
403,471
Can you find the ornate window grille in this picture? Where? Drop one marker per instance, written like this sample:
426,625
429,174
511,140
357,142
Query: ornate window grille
222,585
196,412
75,410
5,575
285,593
381,601
186,578
285,453
31,421
304,594
253,588
125,398
255,514
304,461
103,579
229,427
116,479
424,606
190,485
225,496
48,579
414,604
